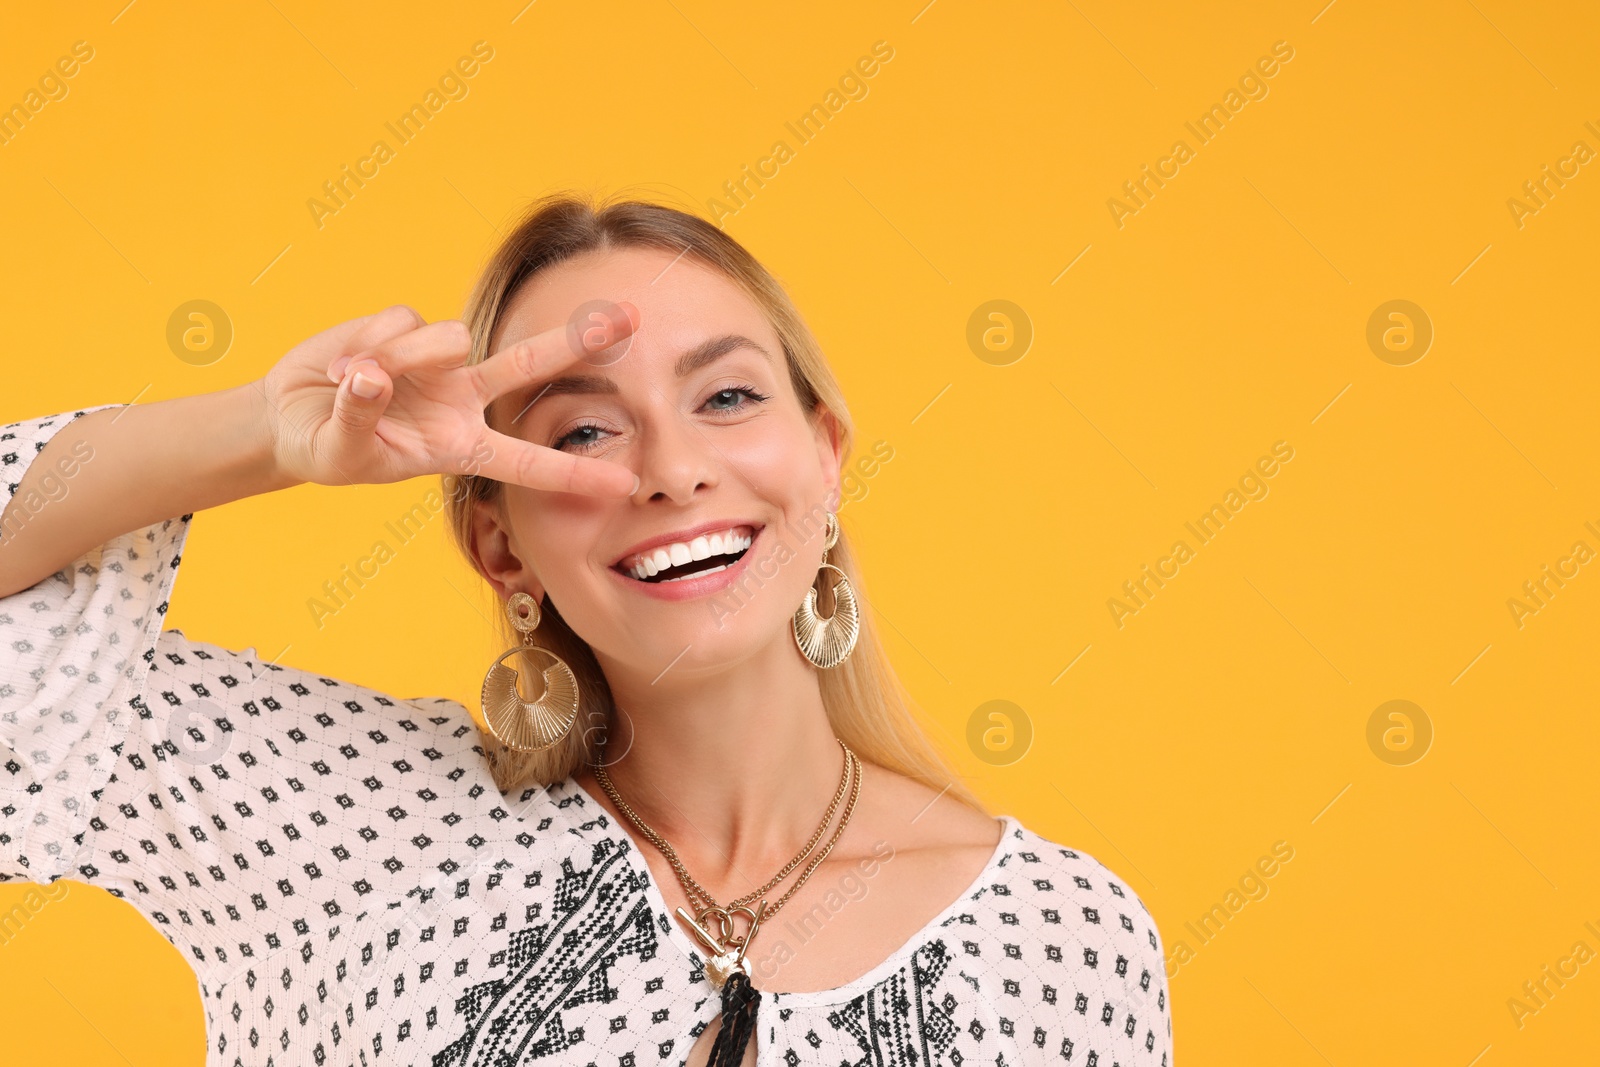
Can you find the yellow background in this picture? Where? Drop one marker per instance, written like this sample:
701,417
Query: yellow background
1229,313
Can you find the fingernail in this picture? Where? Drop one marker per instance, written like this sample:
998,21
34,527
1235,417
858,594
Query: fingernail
366,388
336,371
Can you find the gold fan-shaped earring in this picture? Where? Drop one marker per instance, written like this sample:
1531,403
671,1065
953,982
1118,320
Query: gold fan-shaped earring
529,725
828,642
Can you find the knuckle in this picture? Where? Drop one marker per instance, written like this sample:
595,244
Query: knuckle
405,313
395,349
457,335
526,360
524,469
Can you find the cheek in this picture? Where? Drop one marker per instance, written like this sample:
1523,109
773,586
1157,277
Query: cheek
778,461
781,471
555,532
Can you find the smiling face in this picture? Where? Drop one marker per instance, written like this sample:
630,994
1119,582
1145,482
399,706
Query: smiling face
735,478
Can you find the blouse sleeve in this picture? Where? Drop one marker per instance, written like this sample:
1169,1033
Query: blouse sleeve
78,647
1120,943
1092,980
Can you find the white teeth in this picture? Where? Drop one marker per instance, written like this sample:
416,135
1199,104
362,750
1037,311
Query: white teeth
724,542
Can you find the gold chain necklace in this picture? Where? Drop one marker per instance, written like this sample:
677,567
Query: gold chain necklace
727,949
693,889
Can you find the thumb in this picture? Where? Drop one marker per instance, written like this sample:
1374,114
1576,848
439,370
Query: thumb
360,401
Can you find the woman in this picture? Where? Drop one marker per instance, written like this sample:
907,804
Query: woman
705,828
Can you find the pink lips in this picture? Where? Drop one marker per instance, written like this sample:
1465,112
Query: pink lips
700,585
685,536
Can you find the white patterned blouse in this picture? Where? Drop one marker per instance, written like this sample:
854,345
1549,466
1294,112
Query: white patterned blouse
350,887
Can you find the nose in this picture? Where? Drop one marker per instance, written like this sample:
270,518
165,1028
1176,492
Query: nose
676,459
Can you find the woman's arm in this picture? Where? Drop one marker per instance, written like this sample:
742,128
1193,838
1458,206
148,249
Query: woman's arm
382,398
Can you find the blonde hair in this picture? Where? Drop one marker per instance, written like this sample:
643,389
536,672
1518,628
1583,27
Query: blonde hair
867,705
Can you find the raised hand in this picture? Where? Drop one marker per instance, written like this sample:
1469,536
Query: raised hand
390,396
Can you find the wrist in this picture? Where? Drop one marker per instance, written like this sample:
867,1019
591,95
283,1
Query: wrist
250,413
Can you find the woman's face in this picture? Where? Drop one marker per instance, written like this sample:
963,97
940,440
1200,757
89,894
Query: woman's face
700,406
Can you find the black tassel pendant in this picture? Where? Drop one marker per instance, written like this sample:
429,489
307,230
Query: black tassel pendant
740,1001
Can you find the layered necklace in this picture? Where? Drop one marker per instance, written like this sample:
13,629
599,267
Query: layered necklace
717,926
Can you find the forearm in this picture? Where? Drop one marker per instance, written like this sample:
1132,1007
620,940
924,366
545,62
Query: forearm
121,469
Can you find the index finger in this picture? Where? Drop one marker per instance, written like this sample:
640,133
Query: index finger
518,462
533,359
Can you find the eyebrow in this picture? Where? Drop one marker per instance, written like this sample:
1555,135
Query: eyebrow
706,352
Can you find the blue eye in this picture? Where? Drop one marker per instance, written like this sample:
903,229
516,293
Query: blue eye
575,432
733,393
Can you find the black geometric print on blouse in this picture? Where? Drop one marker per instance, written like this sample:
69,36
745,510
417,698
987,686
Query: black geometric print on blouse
901,1022
598,915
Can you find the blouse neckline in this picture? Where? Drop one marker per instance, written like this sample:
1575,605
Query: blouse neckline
846,992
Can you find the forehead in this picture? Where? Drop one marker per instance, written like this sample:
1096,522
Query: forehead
679,299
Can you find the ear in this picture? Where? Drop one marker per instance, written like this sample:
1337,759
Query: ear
829,439
494,554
